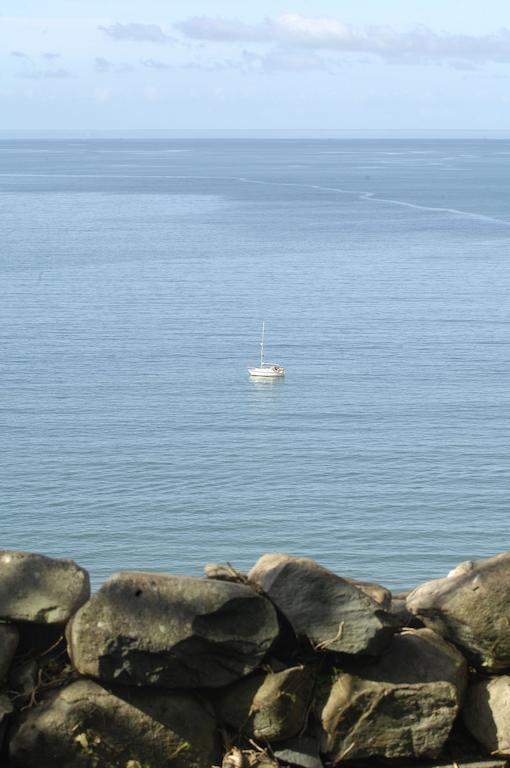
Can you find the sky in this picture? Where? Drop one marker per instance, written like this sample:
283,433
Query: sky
373,64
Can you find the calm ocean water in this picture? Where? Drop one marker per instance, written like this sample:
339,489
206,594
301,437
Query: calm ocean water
134,277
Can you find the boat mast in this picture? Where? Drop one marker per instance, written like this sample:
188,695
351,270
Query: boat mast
262,347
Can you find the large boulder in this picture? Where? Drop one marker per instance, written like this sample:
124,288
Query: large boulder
402,706
470,609
8,644
40,589
486,713
331,613
268,707
174,631
86,726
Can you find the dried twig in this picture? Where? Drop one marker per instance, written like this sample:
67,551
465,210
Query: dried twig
326,643
346,751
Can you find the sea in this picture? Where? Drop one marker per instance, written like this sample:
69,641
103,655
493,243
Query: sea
135,273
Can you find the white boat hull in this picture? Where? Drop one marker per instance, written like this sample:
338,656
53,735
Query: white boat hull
267,372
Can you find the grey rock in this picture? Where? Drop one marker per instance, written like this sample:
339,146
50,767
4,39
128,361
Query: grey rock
470,609
174,631
418,656
8,644
268,707
486,713
331,613
40,589
379,594
402,706
86,726
302,751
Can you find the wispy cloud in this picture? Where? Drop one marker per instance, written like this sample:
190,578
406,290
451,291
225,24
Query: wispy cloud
230,30
155,64
244,62
292,60
45,74
420,44
31,70
150,33
102,65
50,56
277,59
21,55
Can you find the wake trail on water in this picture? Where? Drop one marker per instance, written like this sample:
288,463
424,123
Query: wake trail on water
368,196
372,197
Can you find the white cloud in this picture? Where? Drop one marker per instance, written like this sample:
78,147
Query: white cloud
230,30
302,31
155,64
102,65
420,44
136,32
31,70
292,60
45,74
21,55
276,59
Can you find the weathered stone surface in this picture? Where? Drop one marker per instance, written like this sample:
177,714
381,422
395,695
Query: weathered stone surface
269,707
175,631
302,751
470,608
8,645
486,713
403,705
379,594
332,613
40,589
86,726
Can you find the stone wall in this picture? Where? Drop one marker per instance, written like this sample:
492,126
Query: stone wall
288,665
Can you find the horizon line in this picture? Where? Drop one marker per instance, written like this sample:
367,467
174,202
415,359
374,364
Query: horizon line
273,130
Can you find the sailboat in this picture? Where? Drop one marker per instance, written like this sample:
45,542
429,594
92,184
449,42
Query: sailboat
266,370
